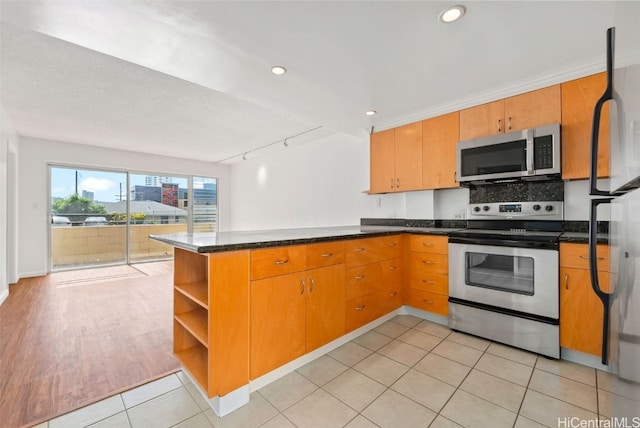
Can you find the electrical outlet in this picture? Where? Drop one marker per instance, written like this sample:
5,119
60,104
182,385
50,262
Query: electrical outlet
378,202
457,216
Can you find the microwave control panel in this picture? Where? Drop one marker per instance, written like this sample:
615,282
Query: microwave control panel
543,152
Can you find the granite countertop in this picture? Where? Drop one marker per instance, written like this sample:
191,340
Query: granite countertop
211,242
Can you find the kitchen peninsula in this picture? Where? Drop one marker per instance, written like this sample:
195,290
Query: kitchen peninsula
251,306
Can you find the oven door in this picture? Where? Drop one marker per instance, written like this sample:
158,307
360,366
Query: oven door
518,279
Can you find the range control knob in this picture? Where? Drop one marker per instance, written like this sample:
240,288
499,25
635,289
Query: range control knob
549,208
486,208
476,209
536,207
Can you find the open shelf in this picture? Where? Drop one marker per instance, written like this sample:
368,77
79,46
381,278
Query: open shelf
196,291
194,359
195,322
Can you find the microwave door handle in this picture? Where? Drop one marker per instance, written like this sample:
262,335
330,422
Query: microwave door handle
595,127
530,169
593,270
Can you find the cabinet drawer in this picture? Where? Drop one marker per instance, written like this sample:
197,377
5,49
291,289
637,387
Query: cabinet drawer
426,262
429,244
363,280
361,310
325,254
431,302
389,298
277,261
392,271
431,282
577,256
372,250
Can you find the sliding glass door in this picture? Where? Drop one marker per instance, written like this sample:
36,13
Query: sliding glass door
105,217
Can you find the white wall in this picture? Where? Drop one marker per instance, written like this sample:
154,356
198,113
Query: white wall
320,183
576,200
34,155
7,139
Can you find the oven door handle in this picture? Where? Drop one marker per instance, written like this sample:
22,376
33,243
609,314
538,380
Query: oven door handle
593,271
506,242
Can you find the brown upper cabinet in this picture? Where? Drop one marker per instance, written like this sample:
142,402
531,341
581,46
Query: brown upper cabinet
578,100
528,110
396,159
439,138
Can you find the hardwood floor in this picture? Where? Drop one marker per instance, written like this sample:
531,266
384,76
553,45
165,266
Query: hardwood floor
64,347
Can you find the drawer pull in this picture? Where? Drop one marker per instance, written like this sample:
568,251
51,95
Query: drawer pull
359,277
313,284
359,308
427,262
359,250
426,281
566,281
393,294
326,255
281,262
427,244
302,286
393,267
393,244
429,302
587,257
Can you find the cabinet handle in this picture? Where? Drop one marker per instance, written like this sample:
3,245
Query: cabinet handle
359,308
509,123
359,250
426,281
427,262
429,302
359,277
302,286
587,257
393,244
313,284
326,255
392,183
566,281
281,262
427,244
499,130
393,294
398,183
393,267
455,176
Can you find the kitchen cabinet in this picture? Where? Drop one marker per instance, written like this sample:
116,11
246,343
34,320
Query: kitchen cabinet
293,313
374,278
578,100
581,311
211,320
528,110
396,159
439,138
428,285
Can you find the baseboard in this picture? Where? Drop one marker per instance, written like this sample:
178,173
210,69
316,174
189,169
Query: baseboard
4,296
584,359
31,274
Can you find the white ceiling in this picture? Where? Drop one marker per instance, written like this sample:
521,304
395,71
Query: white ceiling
191,78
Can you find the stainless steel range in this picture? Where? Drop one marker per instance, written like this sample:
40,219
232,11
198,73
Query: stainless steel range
503,274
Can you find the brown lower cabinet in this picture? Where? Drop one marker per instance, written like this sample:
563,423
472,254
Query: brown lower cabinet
428,285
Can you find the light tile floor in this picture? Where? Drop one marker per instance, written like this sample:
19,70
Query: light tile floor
405,373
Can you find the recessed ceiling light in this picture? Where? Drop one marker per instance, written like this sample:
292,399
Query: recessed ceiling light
370,112
278,70
451,14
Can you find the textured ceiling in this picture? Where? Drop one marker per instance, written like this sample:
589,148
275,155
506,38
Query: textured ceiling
191,78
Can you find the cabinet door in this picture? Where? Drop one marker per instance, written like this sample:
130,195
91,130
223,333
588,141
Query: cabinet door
325,305
382,162
578,99
278,311
408,157
481,121
581,311
439,138
531,109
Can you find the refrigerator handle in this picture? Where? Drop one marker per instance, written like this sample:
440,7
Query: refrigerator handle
593,270
595,127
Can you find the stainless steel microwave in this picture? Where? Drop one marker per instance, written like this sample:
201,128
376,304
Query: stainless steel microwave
530,154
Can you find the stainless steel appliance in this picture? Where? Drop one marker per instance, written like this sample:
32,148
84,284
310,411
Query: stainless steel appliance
503,274
531,154
621,323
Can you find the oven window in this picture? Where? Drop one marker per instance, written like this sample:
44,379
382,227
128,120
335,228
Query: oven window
513,274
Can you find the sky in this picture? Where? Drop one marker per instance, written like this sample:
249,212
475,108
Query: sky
105,185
